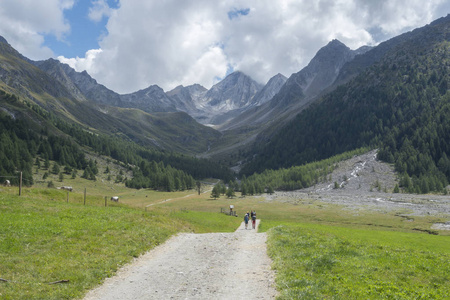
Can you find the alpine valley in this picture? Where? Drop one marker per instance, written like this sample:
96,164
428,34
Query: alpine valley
393,97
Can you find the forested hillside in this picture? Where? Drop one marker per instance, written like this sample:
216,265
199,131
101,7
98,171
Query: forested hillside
29,134
400,105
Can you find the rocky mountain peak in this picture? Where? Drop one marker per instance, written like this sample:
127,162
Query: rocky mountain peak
185,98
235,91
272,87
151,99
322,70
334,55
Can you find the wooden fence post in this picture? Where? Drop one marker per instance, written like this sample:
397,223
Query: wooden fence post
20,184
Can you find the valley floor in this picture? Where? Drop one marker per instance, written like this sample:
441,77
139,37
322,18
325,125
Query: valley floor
236,265
197,266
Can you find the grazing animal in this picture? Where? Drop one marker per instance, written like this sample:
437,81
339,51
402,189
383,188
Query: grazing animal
67,188
115,199
7,183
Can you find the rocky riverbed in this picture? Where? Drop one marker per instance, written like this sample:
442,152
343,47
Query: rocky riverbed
365,183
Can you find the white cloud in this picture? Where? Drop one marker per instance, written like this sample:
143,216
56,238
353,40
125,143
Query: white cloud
217,64
84,63
172,42
176,42
24,24
98,10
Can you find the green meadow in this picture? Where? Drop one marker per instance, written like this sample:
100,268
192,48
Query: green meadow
324,262
53,246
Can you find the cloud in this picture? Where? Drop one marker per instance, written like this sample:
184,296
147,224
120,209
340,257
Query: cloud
81,64
166,43
98,10
25,22
171,42
175,42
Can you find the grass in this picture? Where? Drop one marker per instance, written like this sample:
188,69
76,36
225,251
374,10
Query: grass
328,262
320,251
45,239
202,222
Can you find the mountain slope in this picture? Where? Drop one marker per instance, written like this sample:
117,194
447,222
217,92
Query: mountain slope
184,98
225,120
301,88
175,131
151,99
258,123
400,104
272,88
55,87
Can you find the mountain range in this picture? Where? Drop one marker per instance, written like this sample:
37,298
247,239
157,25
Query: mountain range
225,106
236,121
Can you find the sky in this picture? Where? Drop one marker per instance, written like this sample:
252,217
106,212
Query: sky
128,45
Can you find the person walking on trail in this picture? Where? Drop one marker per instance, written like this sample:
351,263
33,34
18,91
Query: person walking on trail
246,217
253,219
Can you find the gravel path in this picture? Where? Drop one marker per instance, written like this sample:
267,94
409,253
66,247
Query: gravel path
197,266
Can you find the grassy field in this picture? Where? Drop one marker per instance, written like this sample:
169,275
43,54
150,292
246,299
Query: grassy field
327,262
320,251
44,239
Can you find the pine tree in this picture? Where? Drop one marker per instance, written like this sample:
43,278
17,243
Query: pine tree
67,169
38,163
244,190
86,172
56,168
46,163
215,192
396,189
230,193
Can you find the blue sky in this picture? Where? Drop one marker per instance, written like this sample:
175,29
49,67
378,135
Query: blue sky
84,33
129,45
235,13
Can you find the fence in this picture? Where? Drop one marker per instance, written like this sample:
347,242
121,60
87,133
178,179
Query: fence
20,181
228,211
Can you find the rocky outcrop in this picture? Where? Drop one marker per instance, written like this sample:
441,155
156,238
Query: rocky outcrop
272,88
151,99
185,98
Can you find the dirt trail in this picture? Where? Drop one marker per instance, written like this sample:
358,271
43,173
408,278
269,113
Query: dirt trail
197,266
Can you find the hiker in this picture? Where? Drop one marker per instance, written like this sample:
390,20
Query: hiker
246,220
253,219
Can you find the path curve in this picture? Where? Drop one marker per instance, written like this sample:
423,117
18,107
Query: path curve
197,266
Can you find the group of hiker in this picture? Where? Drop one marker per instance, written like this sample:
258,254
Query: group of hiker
251,216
